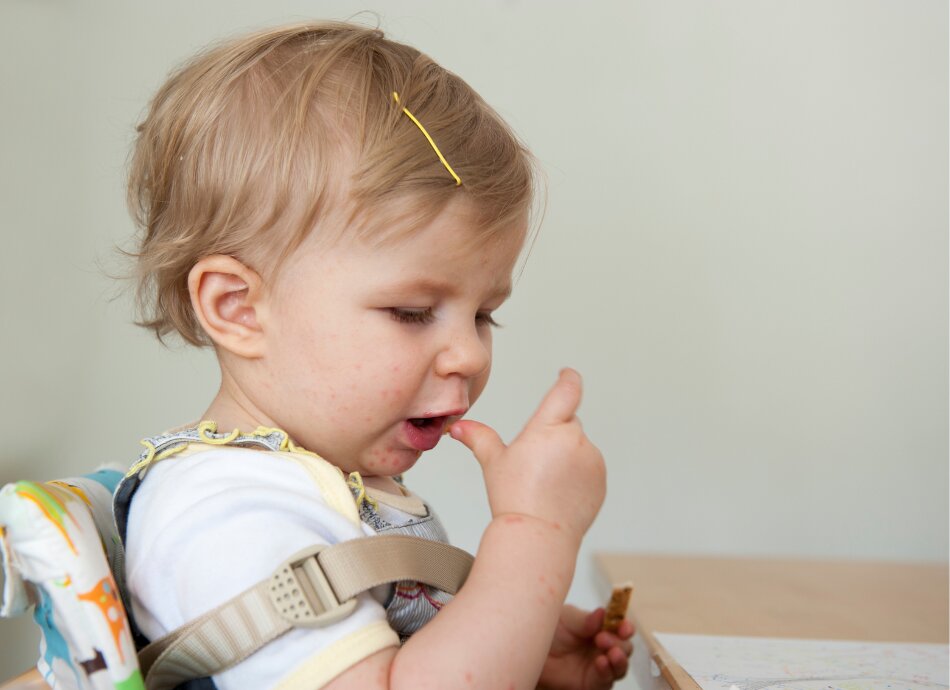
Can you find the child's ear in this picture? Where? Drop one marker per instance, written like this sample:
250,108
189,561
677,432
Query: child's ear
226,296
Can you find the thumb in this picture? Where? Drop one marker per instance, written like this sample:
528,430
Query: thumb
561,402
479,438
583,624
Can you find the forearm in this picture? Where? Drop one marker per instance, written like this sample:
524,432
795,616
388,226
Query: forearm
497,631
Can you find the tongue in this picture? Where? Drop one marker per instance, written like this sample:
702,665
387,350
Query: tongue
424,436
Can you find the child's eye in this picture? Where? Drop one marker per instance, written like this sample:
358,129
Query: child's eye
486,318
406,315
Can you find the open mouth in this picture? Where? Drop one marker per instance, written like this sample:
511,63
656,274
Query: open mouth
423,433
425,422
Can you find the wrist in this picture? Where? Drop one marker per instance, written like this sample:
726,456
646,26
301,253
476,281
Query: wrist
542,527
556,528
536,544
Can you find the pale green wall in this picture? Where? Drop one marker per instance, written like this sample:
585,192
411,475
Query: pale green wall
745,252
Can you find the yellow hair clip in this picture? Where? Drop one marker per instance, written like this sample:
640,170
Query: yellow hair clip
458,180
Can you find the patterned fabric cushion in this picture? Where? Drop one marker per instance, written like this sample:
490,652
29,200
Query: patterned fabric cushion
59,550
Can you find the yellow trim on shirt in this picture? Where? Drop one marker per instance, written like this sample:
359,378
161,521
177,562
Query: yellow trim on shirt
330,482
333,660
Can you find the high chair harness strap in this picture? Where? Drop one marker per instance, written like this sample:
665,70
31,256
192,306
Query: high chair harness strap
315,587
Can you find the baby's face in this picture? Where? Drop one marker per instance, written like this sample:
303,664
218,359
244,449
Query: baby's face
371,353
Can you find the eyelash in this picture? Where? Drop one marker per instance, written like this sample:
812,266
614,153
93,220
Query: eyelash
424,316
412,315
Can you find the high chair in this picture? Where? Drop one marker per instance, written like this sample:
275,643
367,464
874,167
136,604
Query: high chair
62,557
59,548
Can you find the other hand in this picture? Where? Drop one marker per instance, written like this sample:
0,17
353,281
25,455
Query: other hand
584,657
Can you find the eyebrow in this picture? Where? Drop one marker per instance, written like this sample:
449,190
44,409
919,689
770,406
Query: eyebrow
431,285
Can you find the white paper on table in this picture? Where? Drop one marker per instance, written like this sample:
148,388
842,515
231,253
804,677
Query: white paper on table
757,663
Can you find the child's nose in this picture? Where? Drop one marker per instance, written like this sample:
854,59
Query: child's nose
465,354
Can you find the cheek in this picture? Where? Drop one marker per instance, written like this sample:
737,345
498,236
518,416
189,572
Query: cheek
480,381
478,385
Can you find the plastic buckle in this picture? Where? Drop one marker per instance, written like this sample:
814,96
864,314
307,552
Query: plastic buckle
302,594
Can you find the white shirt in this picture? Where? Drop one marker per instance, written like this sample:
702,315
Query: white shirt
202,531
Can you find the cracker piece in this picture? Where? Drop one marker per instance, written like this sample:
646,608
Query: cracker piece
617,606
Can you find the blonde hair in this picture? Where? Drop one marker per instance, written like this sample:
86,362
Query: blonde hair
249,146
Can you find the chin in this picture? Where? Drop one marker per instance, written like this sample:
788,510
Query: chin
394,463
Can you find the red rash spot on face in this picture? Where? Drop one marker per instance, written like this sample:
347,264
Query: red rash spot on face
469,678
513,519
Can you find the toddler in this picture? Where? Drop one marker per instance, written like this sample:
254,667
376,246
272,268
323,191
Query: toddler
339,217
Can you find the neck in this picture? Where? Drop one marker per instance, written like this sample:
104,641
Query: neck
232,409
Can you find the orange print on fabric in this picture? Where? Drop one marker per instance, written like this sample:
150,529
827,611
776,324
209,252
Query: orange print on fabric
105,596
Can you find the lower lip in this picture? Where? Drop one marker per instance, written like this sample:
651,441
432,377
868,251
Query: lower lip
424,437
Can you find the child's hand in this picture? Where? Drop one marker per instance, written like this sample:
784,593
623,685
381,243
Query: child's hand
584,657
551,471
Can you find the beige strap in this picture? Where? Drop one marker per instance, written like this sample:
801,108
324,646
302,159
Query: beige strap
361,564
315,587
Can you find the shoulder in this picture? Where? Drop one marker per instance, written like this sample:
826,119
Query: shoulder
223,475
208,524
228,465
237,512
207,485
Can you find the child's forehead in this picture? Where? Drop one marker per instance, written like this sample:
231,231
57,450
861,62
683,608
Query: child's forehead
446,227
447,236
450,248
447,240
402,252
